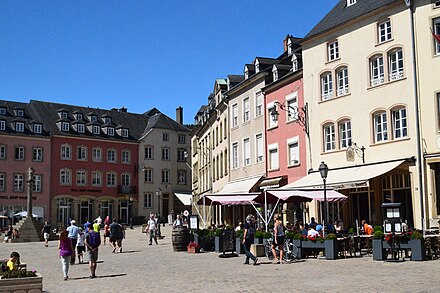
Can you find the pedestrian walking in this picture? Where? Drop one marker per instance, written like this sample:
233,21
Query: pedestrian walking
66,251
116,235
96,226
106,231
46,233
73,235
248,239
80,245
278,237
92,242
151,229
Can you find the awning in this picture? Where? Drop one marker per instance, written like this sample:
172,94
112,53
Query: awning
238,199
185,198
242,186
352,177
292,195
270,183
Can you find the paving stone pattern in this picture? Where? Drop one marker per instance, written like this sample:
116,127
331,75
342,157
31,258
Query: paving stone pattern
156,268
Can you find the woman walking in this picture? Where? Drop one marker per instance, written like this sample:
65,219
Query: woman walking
66,250
278,236
248,239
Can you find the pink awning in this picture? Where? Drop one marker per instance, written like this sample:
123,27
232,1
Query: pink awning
292,195
233,199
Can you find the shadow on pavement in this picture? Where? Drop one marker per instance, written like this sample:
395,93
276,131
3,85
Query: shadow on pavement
99,277
131,251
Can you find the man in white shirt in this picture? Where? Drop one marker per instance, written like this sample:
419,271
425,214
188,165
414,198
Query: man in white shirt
151,229
312,232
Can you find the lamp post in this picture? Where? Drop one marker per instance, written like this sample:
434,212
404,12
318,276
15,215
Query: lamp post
158,191
323,170
30,182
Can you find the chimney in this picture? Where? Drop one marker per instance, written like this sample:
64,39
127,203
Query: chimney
179,115
285,42
123,109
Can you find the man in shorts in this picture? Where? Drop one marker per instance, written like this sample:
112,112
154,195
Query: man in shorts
92,242
46,233
116,235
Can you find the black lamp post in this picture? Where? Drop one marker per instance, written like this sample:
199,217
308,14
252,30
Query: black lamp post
323,170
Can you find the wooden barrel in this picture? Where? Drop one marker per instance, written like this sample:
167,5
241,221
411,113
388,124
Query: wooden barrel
180,238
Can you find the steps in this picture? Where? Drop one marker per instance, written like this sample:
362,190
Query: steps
29,230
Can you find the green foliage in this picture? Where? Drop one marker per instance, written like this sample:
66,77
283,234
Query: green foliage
267,235
202,232
330,236
351,231
378,235
378,228
290,235
18,274
297,236
211,233
239,234
259,234
229,227
416,235
218,232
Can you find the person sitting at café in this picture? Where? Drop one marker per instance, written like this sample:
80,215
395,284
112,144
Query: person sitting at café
368,229
313,222
305,229
312,232
14,261
337,226
178,222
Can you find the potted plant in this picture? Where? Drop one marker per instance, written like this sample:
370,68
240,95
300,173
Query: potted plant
239,242
21,280
418,251
193,247
331,246
266,235
378,249
218,243
258,237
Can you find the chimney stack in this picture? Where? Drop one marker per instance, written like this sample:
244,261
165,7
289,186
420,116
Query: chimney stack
285,42
179,115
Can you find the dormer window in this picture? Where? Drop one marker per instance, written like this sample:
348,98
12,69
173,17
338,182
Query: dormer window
93,118
2,111
19,112
110,131
350,2
19,126
38,128
257,66
81,128
124,132
2,124
246,73
62,114
65,126
275,74
79,116
289,46
294,63
107,120
96,129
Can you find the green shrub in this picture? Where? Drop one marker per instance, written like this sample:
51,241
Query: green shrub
330,236
229,227
218,232
258,234
289,235
239,234
378,235
297,236
377,228
351,231
416,235
267,235
18,274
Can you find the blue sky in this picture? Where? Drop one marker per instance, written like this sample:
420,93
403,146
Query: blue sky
139,54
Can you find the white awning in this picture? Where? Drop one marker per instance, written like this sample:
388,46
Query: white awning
185,198
238,199
270,183
352,177
307,195
240,186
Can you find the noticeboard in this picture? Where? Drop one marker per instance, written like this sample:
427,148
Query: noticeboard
228,239
194,222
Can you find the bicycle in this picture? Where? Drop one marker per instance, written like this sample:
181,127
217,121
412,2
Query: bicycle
291,251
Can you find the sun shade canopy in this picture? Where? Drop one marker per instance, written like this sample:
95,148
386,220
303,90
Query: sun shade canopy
292,195
185,198
238,199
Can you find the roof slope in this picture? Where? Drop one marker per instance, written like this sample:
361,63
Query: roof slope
162,121
341,14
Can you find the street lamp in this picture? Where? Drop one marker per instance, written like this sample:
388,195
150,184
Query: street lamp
30,182
323,170
300,114
158,191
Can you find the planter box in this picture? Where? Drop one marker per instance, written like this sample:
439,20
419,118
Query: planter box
31,284
378,249
313,244
218,244
331,249
239,246
258,240
193,249
418,251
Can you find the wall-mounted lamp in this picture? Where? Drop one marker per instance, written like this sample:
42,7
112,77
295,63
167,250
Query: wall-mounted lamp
300,114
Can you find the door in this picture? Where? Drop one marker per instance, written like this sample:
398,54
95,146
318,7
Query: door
123,212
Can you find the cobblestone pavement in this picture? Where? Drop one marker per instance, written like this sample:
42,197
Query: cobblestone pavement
156,268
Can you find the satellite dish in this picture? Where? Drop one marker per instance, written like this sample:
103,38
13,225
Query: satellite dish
349,154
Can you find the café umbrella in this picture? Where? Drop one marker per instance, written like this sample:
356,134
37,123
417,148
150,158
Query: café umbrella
24,214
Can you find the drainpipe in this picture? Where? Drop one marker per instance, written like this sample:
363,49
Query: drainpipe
420,159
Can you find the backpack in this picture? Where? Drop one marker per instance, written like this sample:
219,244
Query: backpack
94,239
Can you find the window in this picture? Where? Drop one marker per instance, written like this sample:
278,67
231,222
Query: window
2,152
399,123
37,183
273,157
125,179
181,138
124,132
66,152
384,31
38,128
79,116
65,126
351,2
181,155
81,153
275,74
260,147
107,120
96,154
376,70
96,129
110,131
436,4
436,25
2,111
148,152
111,156
65,177
333,51
342,82
81,128
326,86
235,155
20,112
125,157
63,114
259,99
165,176
37,154
396,64
344,134
93,118
19,126
165,153
19,153
225,130
96,178
148,200
329,137
2,182
246,110
18,183
293,151
111,179
380,127
291,105
181,177
2,124
148,176
235,115
165,137
81,178
246,152
272,122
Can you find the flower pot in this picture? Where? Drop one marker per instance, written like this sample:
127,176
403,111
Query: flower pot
239,246
378,249
313,244
34,284
258,240
218,244
193,249
331,249
418,251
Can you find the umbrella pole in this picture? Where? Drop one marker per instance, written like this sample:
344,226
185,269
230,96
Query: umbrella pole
265,209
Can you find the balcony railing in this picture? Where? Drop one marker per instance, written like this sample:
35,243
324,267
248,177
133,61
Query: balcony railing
126,189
